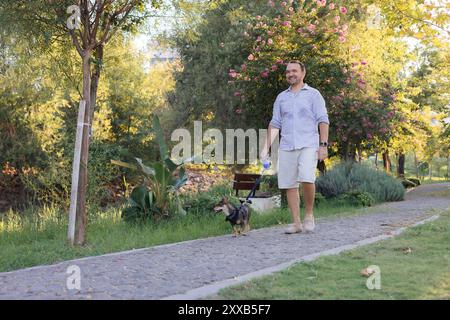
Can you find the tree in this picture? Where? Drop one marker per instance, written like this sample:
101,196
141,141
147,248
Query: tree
92,23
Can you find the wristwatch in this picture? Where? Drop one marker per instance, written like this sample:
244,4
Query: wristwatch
323,144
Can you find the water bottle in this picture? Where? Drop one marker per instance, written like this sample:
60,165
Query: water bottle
266,164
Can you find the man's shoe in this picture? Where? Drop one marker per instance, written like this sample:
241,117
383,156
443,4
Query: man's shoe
309,224
294,229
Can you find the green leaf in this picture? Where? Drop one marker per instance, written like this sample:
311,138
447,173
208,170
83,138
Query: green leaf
149,198
170,164
123,164
138,196
160,137
182,179
147,170
162,174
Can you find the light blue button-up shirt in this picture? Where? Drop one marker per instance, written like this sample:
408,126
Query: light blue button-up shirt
298,116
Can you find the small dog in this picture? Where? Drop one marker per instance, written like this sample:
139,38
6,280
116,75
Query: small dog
239,217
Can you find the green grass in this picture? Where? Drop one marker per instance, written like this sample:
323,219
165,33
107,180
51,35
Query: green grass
426,180
38,236
424,273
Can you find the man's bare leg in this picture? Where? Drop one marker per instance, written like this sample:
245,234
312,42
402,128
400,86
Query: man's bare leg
309,192
294,205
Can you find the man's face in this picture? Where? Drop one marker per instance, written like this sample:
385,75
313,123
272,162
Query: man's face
294,73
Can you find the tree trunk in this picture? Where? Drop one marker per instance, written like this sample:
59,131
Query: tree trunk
81,214
376,160
401,165
416,165
386,161
98,55
430,170
448,166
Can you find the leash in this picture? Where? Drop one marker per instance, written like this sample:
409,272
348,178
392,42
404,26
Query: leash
266,165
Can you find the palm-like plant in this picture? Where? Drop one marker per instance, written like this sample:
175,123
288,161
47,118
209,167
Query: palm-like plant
158,195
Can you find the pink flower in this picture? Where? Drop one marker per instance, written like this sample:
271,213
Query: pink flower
244,67
264,74
315,46
337,19
279,61
312,27
251,57
345,27
284,4
259,39
237,94
348,80
222,44
321,3
291,9
331,6
274,68
271,3
258,17
232,73
369,136
344,10
246,78
342,39
286,23
239,111
270,42
363,62
270,33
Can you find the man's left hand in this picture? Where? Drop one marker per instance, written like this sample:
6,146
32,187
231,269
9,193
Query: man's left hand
322,153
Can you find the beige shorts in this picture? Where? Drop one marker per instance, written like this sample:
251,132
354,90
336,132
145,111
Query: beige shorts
296,166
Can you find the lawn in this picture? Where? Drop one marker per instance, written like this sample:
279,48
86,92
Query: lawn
38,236
414,265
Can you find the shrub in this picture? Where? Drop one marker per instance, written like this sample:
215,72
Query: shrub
204,202
357,198
349,177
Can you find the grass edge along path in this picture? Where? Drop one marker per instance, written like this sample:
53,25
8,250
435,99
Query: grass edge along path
41,240
413,265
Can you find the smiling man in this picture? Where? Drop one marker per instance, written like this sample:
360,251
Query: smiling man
299,112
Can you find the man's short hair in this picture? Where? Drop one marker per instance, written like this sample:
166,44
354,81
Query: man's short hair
302,66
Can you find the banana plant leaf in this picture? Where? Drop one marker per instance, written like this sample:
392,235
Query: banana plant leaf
138,196
147,170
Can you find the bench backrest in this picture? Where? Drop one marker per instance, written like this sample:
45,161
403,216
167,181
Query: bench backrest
245,181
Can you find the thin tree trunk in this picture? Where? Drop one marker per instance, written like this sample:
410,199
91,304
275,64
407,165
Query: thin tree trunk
401,165
448,166
386,161
376,160
81,215
416,165
430,170
95,80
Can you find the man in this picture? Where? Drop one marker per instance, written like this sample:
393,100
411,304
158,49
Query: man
298,112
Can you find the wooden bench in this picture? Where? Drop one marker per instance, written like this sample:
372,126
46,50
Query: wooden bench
245,181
